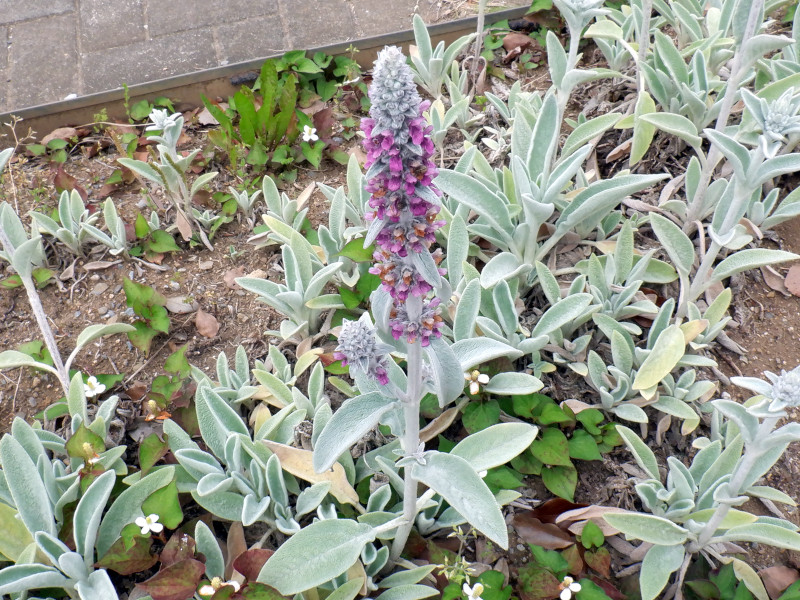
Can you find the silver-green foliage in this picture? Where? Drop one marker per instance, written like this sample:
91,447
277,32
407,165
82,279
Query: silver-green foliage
38,488
300,299
431,65
695,510
171,172
72,230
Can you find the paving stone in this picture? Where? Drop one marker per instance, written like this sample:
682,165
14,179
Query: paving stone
160,57
43,61
253,38
169,17
319,23
384,16
12,11
111,23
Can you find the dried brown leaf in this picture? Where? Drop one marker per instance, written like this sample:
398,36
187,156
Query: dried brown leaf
99,265
776,579
230,277
236,546
62,133
620,151
298,462
774,280
207,324
793,280
180,305
439,424
546,535
183,225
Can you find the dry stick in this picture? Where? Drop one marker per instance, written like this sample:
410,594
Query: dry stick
714,154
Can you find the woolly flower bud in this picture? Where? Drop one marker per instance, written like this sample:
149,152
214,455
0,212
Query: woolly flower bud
777,119
785,388
393,92
359,348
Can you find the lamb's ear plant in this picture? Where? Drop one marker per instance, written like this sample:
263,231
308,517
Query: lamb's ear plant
171,173
695,512
23,253
403,222
74,226
430,65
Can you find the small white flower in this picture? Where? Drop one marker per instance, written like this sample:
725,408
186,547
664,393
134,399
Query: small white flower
210,588
474,592
476,379
149,523
568,587
93,388
309,134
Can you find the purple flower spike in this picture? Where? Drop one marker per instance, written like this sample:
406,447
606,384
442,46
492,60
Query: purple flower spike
403,198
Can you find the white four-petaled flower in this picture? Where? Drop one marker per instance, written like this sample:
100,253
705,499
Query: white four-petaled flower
568,587
476,379
92,387
474,592
216,582
149,523
309,134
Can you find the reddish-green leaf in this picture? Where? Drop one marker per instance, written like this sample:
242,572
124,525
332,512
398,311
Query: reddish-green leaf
179,547
536,583
599,560
249,563
176,582
127,559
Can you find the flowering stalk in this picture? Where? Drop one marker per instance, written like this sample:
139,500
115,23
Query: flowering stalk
403,222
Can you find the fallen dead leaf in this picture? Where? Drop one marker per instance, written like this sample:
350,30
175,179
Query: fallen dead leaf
62,133
204,117
184,227
236,546
298,462
230,277
774,280
776,579
99,265
439,424
546,535
206,323
620,151
180,305
792,280
579,516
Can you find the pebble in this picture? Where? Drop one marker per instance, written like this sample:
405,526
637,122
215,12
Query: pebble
129,311
94,277
174,285
99,288
141,204
33,401
102,310
117,289
205,265
77,314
